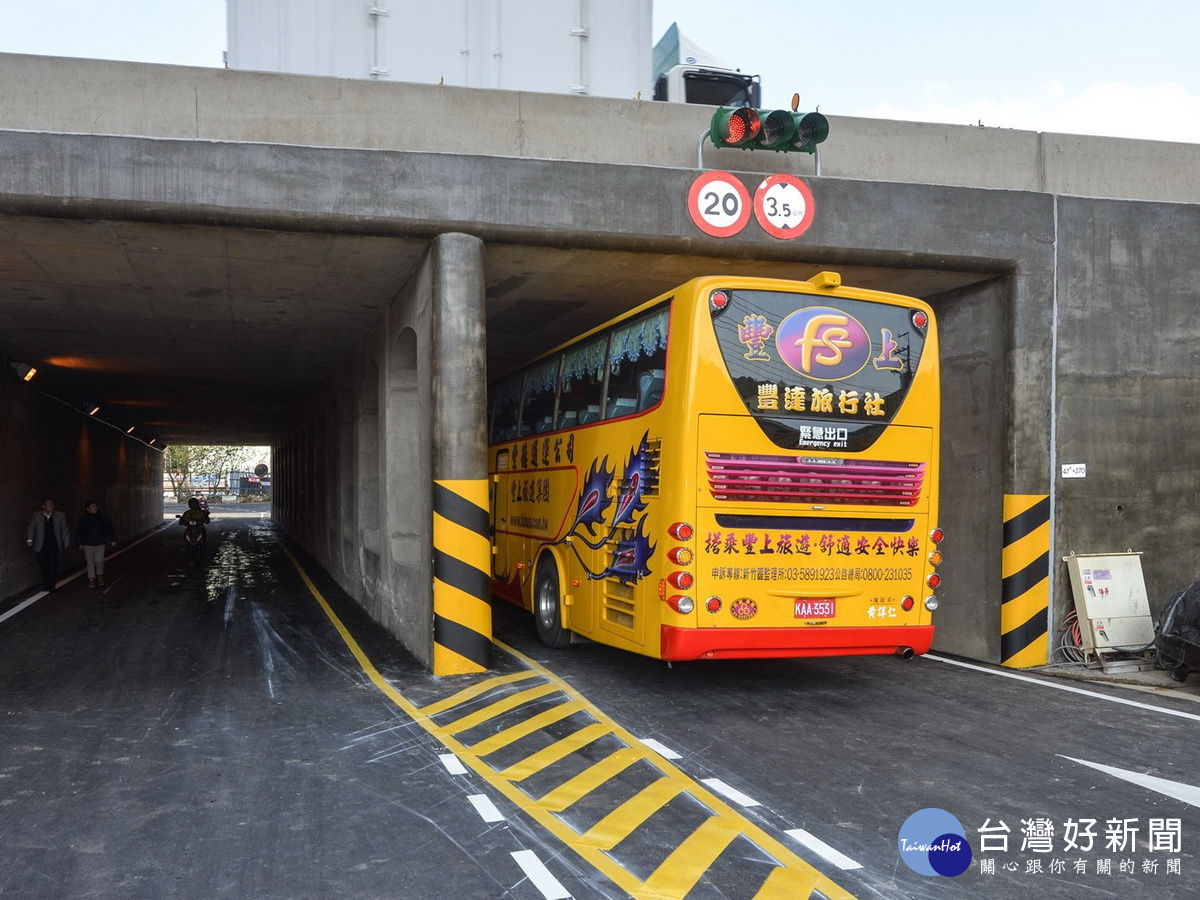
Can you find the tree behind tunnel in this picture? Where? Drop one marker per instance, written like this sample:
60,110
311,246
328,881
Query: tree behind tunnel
205,469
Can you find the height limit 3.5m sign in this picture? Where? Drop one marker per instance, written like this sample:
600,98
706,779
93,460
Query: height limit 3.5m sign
783,205
720,205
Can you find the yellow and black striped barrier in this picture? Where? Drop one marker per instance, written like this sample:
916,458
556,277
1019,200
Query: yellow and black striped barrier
462,554
1025,567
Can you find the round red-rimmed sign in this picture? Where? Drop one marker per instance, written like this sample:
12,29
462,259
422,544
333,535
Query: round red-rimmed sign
783,205
719,204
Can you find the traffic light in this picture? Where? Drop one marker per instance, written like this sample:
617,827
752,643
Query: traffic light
768,129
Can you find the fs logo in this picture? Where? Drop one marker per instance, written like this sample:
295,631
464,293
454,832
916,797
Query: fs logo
823,343
933,842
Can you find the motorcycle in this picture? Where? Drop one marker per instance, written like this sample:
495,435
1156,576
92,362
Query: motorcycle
195,537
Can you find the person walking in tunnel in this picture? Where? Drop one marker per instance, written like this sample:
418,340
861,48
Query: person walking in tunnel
92,533
46,535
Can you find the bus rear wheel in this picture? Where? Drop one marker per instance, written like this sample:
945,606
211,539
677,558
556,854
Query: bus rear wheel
547,607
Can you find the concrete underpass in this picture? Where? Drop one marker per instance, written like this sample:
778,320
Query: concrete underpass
251,258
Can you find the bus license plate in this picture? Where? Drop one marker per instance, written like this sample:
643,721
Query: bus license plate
809,608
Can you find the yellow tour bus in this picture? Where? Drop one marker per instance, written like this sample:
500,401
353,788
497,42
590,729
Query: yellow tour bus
743,467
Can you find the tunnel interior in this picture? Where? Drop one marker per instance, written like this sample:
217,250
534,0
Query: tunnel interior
308,341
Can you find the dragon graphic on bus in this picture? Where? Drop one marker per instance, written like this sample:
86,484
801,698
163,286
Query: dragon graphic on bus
630,555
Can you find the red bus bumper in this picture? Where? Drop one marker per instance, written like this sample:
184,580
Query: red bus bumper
748,643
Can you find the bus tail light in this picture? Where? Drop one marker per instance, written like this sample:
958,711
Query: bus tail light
937,535
908,603
935,558
713,604
680,556
934,580
681,531
681,604
681,581
718,301
931,603
920,320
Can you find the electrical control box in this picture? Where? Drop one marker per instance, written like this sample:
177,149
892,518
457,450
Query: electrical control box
1111,603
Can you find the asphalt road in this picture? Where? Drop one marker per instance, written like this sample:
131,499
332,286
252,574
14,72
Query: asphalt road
235,730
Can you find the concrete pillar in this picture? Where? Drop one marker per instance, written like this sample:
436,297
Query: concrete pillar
462,617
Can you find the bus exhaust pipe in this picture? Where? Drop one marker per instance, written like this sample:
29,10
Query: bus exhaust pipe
904,652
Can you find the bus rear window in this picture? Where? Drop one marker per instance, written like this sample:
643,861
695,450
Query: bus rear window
819,357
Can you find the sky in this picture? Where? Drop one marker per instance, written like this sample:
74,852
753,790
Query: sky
1125,69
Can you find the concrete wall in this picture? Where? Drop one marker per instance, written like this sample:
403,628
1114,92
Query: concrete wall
48,449
353,479
1126,398
101,97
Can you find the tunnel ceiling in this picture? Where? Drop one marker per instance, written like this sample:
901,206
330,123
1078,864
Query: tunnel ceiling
196,334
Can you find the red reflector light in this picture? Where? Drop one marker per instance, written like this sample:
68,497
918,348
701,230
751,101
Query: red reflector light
719,299
713,604
934,580
680,580
937,535
681,531
907,603
920,319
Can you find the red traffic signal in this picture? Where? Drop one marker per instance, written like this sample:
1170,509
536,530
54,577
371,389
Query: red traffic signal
768,129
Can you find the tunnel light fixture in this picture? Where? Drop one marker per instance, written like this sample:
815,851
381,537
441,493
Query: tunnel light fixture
24,371
129,430
92,408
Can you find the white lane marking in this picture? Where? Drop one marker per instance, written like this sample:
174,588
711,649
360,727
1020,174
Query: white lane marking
16,609
1065,687
452,763
1187,793
822,849
537,873
29,601
731,793
486,808
663,751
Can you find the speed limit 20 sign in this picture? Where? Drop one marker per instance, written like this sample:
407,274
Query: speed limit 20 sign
720,205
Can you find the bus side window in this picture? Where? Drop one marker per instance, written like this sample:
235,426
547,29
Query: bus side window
636,362
582,387
506,404
650,388
541,390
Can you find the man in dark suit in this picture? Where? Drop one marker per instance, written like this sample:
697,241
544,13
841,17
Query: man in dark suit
46,535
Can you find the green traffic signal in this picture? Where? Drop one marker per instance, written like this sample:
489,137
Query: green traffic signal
768,129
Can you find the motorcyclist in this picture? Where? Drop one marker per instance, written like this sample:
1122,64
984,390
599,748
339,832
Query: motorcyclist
195,515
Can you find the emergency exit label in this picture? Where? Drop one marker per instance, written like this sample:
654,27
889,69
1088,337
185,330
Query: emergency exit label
1074,470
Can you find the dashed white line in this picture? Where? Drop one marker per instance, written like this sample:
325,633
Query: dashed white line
452,763
730,793
540,876
662,750
822,849
486,808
